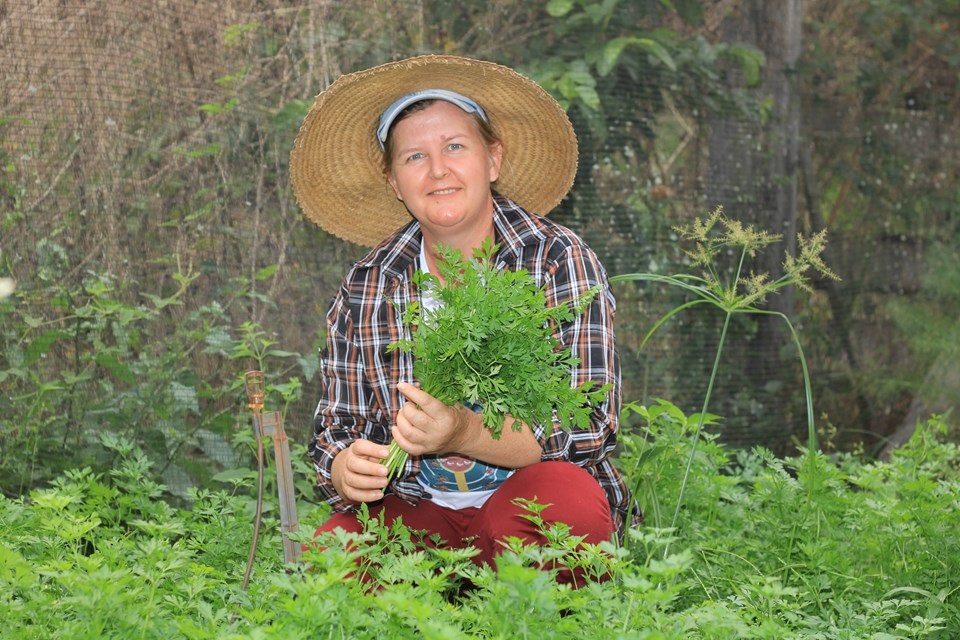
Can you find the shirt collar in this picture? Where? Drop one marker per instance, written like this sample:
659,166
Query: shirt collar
514,228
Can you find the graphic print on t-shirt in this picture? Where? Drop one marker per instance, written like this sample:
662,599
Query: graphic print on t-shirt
457,474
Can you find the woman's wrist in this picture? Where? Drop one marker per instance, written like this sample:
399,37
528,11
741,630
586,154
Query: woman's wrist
469,426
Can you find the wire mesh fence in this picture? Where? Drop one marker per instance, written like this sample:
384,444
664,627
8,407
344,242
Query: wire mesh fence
144,150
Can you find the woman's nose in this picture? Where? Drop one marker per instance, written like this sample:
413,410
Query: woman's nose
438,166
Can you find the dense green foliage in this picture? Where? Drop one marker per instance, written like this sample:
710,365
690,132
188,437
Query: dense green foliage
134,371
807,547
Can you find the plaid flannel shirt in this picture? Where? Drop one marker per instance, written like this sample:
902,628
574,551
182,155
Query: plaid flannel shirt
359,397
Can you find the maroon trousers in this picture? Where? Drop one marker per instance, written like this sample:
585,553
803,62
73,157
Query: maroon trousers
574,496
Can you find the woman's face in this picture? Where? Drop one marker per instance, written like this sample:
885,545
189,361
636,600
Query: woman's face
441,168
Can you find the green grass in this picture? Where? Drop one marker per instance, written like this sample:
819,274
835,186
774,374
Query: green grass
734,293
764,547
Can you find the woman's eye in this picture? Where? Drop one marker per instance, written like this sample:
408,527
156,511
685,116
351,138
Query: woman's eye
455,146
414,157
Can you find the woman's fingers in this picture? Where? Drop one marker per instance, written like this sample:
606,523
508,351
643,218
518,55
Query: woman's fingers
362,476
369,450
425,425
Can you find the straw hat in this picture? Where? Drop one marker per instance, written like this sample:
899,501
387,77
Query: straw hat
336,162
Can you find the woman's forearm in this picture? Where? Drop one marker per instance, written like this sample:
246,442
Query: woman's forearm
514,449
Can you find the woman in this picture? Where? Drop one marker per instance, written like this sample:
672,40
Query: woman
447,150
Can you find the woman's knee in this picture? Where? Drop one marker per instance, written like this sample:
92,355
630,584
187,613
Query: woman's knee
558,492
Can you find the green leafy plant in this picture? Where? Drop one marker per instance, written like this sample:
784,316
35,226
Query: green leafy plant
102,555
653,459
489,343
740,294
80,361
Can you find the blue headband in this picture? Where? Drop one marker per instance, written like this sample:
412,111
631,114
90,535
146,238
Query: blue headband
390,113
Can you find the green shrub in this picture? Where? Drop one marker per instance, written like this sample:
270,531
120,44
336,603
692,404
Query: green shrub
78,363
764,547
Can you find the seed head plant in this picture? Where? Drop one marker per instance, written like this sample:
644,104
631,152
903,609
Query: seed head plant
742,292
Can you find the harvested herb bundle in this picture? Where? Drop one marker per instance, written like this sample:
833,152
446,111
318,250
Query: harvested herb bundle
489,343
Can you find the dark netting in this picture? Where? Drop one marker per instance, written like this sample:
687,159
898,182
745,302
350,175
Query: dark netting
144,150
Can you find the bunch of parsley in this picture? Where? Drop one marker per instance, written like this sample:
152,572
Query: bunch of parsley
489,343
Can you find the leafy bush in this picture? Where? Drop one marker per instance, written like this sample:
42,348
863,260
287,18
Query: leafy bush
764,547
79,362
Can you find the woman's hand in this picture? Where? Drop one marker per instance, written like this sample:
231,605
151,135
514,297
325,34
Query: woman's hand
358,472
427,426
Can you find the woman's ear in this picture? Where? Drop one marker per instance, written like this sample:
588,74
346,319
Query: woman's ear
496,160
392,181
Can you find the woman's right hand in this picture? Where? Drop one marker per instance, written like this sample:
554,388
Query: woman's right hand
358,472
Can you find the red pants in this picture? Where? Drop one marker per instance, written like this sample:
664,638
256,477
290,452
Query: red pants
575,496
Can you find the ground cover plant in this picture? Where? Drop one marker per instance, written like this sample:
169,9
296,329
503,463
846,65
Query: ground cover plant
765,547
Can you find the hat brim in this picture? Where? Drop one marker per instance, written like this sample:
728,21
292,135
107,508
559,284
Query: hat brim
336,166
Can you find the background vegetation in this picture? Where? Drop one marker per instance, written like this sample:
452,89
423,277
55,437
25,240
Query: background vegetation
146,218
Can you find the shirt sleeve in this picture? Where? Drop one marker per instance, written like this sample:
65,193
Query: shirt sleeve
590,337
345,410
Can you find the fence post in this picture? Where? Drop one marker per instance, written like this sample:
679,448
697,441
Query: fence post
289,522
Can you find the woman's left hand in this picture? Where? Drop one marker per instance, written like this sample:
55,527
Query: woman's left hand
427,426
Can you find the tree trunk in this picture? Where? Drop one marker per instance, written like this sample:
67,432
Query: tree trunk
937,395
753,174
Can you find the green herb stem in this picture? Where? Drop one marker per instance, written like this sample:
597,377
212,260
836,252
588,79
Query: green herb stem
396,458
